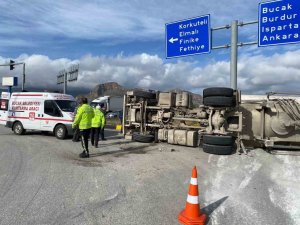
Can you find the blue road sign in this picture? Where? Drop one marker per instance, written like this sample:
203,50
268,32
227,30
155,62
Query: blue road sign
188,37
279,22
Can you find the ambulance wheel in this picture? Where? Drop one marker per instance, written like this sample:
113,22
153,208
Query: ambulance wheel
18,128
60,132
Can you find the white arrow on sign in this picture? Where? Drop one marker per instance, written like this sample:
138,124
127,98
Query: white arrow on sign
172,40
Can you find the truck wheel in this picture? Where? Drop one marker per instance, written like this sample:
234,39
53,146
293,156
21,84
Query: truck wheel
18,128
218,91
60,132
219,101
145,138
218,149
218,140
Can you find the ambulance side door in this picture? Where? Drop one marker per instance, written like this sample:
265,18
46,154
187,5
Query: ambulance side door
3,111
50,116
31,121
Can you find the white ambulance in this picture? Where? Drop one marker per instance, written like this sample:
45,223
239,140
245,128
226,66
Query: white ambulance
41,111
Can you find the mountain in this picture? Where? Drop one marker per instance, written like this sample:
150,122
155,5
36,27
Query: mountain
110,88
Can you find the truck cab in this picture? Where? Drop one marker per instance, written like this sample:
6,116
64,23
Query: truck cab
109,103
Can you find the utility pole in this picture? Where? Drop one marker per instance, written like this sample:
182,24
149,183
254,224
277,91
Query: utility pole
234,52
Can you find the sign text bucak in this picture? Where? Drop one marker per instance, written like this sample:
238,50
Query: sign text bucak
279,22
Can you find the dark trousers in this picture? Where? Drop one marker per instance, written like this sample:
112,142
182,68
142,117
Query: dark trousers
85,139
76,134
102,133
95,135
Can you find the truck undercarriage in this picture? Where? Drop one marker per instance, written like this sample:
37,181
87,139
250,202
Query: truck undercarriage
223,123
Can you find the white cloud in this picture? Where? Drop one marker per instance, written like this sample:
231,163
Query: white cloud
256,74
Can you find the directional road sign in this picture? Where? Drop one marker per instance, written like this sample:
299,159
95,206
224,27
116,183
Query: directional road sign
61,77
279,22
188,37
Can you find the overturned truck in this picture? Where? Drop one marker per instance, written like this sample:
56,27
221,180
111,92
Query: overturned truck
227,121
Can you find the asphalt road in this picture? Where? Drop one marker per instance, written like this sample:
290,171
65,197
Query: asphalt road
43,181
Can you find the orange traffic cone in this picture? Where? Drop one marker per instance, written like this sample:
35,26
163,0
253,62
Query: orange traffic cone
192,214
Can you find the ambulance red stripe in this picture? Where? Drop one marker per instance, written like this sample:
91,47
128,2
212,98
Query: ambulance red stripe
27,95
52,119
18,117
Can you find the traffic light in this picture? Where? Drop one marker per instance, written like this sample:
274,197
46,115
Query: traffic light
11,66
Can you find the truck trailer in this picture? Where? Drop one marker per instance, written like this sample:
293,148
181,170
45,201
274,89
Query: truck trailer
225,122
109,103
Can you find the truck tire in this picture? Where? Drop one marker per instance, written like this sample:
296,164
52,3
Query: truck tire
18,128
219,101
218,91
218,140
218,149
60,132
145,138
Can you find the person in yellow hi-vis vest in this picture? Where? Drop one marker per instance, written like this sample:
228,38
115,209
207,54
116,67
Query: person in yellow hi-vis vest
98,123
83,119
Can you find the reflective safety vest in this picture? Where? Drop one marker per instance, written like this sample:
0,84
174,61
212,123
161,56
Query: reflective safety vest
84,116
99,119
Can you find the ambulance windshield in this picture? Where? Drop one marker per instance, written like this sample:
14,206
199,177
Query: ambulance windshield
66,105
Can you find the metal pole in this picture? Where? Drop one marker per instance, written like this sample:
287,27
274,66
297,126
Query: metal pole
234,48
65,82
9,90
23,82
211,38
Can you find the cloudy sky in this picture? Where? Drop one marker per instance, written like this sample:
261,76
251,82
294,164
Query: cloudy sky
124,41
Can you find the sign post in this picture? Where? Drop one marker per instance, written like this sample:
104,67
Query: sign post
188,37
68,76
9,82
279,22
12,65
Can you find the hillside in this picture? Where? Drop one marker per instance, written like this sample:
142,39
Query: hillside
110,88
